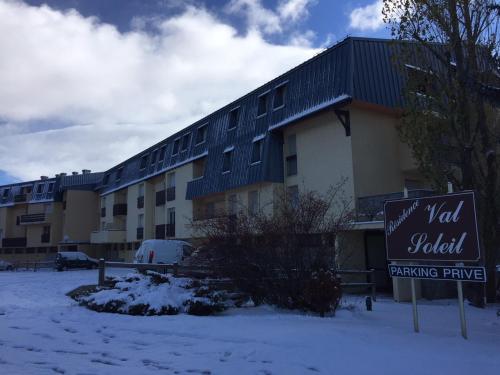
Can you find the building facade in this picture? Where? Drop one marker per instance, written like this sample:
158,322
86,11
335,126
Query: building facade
330,119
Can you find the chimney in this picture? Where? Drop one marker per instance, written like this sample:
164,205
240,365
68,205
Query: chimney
62,174
44,177
74,173
57,175
86,171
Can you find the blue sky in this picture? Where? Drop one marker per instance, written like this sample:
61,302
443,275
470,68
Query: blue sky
85,84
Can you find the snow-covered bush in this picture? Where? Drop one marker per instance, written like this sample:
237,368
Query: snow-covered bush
153,293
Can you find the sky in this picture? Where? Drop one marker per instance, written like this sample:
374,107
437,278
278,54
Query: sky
85,84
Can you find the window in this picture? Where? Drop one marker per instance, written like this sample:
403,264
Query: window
105,181
153,157
199,167
262,105
119,173
279,97
256,151
253,202
171,180
175,150
161,156
293,195
141,190
185,141
144,162
201,134
39,189
226,162
234,117
6,193
51,188
140,221
291,156
103,225
171,216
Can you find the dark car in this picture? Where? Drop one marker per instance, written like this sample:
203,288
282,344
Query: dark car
74,259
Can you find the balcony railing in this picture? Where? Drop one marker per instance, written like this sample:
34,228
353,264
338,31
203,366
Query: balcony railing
103,212
160,232
160,198
119,209
372,207
170,193
170,229
140,233
32,219
140,202
45,238
14,242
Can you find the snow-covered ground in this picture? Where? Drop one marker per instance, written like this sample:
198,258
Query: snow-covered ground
44,332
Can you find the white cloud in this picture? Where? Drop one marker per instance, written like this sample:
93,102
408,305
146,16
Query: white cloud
268,21
368,17
112,94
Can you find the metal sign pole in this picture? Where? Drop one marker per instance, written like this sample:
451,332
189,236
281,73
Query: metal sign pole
461,309
413,289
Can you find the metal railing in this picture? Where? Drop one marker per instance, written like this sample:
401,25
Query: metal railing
33,265
370,284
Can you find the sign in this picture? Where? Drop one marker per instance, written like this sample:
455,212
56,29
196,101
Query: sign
452,273
437,228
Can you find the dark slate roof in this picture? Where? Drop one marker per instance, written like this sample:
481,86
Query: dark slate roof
47,190
356,68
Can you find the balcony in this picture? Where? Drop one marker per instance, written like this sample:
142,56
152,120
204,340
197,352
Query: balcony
20,198
160,232
140,233
160,198
14,242
108,236
170,229
120,209
33,219
103,212
171,194
140,202
372,207
45,238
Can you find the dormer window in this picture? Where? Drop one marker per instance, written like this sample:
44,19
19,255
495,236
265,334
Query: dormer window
119,173
185,141
201,134
262,104
50,188
256,151
279,96
105,181
162,154
144,162
175,149
234,118
39,189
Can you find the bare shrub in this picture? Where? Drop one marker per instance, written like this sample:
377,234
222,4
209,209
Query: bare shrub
285,257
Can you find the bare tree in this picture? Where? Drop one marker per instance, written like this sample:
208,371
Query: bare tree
451,118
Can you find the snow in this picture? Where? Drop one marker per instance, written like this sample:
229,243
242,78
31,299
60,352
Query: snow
44,332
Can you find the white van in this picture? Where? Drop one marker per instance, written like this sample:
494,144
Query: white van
163,251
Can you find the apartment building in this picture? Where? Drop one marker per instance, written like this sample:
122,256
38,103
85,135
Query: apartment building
331,118
38,218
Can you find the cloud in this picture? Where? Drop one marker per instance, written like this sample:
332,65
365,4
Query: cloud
76,93
268,21
368,17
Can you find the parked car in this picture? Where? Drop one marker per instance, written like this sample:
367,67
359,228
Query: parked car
74,259
5,266
163,251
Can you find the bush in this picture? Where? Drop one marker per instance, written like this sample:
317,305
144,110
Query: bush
285,258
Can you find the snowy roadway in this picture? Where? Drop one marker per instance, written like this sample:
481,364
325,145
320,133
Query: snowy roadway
44,332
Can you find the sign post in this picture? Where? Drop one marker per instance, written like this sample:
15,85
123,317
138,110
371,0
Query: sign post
460,292
434,229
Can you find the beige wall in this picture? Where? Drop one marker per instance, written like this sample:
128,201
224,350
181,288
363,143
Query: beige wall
81,216
324,155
